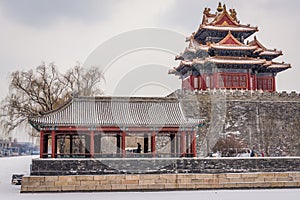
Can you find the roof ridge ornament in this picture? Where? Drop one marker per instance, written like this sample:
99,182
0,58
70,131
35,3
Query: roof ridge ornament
206,11
220,8
233,14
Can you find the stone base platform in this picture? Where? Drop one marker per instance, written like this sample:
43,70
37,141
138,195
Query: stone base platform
62,167
152,182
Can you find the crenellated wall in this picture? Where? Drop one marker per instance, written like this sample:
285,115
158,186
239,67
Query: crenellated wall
265,122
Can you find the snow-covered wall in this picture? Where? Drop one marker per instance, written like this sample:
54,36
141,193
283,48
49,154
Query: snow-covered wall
58,167
265,122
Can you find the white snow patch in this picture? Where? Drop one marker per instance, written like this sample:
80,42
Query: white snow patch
12,165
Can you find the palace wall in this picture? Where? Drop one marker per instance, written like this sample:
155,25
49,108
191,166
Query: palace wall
62,167
265,122
151,182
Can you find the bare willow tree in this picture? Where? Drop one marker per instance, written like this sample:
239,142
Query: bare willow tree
38,91
82,81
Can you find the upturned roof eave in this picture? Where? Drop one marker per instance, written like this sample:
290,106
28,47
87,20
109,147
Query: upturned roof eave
40,126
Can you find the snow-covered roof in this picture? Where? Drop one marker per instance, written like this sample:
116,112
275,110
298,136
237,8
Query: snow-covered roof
270,52
221,60
262,49
232,47
231,43
187,62
118,111
235,60
200,47
275,65
228,28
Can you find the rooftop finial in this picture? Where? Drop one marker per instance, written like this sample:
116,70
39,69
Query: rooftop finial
233,14
220,8
224,6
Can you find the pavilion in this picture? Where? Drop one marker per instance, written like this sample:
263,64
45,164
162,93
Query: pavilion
97,127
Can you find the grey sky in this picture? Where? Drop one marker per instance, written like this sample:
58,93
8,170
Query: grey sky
45,13
66,31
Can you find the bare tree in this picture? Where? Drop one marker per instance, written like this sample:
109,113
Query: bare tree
41,90
84,82
229,145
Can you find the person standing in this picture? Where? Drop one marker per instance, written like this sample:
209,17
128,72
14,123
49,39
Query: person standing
139,148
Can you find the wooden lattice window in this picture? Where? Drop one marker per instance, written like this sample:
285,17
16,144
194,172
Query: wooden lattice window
265,83
233,81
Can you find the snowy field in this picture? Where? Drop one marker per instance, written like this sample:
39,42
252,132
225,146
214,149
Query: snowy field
8,166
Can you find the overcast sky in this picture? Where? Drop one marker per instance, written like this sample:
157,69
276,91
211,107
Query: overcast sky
67,31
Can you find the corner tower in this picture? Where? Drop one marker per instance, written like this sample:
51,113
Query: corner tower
218,58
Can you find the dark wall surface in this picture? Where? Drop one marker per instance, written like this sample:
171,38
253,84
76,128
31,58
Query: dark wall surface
55,167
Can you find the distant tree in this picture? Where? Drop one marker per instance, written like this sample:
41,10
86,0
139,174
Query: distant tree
43,89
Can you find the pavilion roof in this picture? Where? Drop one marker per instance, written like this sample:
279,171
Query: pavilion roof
277,66
223,21
187,65
231,43
229,28
117,111
223,60
262,49
236,60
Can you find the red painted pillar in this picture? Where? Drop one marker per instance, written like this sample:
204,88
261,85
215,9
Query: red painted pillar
41,144
183,144
255,83
274,84
153,144
194,153
200,82
123,144
204,86
92,144
248,84
192,82
216,81
53,144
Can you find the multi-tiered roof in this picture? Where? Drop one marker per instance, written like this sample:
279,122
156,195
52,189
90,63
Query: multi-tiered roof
218,47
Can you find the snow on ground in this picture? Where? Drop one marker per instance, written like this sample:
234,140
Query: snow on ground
11,165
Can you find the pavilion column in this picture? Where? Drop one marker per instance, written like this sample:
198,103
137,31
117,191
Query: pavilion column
194,153
97,147
119,145
53,138
153,144
41,144
87,145
45,145
123,144
71,144
92,144
173,144
146,141
187,143
183,144
177,144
